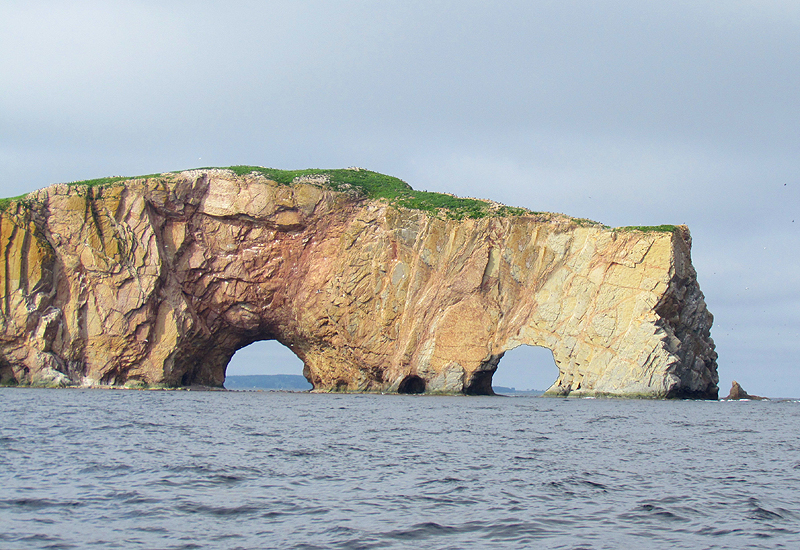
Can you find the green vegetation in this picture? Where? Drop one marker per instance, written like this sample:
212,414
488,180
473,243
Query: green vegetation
4,203
99,182
506,211
373,185
648,228
435,203
370,184
583,222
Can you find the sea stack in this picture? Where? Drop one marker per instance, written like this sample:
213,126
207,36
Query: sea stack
737,392
157,281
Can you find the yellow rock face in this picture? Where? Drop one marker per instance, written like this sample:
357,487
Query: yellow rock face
160,281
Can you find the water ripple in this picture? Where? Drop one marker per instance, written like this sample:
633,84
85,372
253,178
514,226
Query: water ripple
259,470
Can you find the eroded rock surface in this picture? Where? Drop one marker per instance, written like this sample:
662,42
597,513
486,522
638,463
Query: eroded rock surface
159,281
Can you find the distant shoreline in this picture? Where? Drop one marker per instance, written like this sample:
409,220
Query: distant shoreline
281,382
296,382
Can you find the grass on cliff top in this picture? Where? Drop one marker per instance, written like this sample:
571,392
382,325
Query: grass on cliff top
4,203
372,185
98,182
648,228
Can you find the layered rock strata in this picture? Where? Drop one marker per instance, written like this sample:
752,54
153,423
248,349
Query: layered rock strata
159,281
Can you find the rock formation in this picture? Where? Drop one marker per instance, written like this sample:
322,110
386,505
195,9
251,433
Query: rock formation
158,281
737,393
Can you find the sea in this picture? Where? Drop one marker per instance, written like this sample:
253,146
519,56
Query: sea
84,468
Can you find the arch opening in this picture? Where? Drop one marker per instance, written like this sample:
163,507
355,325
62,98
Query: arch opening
265,365
525,370
411,384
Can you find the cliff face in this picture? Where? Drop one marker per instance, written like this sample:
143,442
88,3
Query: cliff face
161,280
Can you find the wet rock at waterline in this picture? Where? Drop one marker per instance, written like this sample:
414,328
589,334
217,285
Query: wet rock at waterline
159,280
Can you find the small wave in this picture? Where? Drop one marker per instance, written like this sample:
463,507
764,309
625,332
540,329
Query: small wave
715,532
140,500
225,479
166,482
442,499
560,487
39,503
190,468
149,529
112,427
514,530
594,484
445,480
648,511
346,537
212,475
681,424
421,531
301,453
569,485
55,542
261,434
219,511
758,512
145,424
96,467
606,418
732,479
661,512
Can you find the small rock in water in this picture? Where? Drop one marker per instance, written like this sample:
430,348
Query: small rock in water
737,392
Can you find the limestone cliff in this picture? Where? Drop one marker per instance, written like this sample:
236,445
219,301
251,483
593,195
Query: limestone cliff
159,280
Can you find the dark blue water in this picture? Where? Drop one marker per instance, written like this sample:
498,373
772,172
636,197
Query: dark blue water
135,469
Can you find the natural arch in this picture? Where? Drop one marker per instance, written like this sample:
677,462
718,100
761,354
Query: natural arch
264,357
265,364
160,280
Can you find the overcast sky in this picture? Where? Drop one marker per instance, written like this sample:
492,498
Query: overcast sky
625,112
